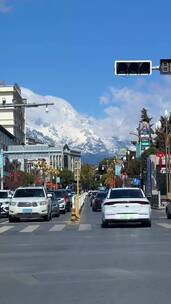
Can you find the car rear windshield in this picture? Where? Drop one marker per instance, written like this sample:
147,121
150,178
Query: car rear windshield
3,194
129,193
60,194
29,193
101,195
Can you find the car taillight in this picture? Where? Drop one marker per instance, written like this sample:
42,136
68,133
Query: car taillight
65,199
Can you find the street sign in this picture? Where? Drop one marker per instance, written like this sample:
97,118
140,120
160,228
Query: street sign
165,66
57,180
118,168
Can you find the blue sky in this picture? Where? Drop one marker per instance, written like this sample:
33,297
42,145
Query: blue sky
67,48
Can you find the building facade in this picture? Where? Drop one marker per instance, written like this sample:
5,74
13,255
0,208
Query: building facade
12,118
6,138
56,157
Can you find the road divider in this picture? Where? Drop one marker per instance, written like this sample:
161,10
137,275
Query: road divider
77,205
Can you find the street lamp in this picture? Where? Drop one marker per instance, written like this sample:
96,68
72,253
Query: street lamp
24,105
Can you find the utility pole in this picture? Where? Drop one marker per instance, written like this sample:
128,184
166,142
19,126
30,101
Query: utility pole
75,212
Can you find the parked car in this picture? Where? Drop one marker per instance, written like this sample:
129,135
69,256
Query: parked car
126,205
4,202
168,210
98,200
55,204
30,203
63,200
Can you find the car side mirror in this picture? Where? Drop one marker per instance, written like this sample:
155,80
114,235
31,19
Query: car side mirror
49,195
10,196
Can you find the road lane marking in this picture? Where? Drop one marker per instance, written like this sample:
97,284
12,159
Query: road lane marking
58,227
30,228
5,222
164,225
5,228
84,227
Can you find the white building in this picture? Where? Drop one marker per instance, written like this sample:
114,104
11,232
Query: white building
12,118
56,157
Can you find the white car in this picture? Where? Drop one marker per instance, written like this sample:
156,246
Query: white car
30,203
4,201
126,205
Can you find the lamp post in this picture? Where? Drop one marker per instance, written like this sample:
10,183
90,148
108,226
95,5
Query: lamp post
167,135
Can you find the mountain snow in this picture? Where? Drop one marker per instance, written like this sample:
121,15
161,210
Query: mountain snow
64,125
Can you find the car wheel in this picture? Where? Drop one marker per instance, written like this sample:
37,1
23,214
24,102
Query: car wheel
94,209
147,224
168,214
68,208
47,217
104,224
58,214
12,219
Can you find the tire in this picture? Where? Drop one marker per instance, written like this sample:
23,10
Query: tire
47,218
94,209
58,214
63,211
168,215
11,219
68,208
104,224
147,224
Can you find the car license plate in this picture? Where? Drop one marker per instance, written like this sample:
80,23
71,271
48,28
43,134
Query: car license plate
28,210
125,217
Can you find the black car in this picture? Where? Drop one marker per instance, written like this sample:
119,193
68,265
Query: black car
98,200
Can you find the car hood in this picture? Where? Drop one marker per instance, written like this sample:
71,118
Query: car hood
2,200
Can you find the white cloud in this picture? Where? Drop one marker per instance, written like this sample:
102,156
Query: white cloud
4,7
122,110
125,104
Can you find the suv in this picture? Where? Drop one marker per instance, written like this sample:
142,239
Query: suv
30,202
4,201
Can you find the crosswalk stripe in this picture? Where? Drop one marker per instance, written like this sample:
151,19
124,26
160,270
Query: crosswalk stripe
5,222
84,227
164,225
30,228
58,227
5,228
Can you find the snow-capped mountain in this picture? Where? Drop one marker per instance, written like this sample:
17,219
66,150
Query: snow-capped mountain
62,124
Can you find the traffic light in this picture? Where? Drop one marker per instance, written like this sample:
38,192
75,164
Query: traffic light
133,67
165,66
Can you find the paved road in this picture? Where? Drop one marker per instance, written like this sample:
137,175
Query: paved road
83,263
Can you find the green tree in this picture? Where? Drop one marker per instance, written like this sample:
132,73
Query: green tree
160,138
67,177
145,116
87,177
